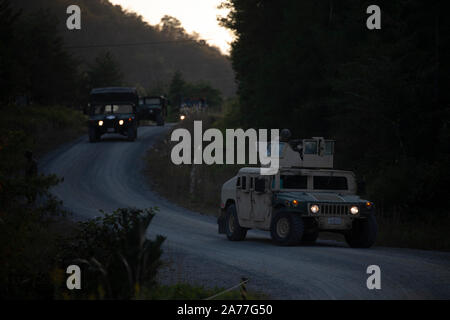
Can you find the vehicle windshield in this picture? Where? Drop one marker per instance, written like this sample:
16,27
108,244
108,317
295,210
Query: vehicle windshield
319,182
330,183
113,109
150,101
293,182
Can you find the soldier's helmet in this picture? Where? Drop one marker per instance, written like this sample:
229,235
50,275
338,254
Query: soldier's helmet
285,135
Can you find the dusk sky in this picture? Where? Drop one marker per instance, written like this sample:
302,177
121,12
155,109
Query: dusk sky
196,16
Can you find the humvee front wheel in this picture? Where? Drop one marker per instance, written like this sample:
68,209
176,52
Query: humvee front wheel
160,120
363,233
132,134
93,135
286,228
233,230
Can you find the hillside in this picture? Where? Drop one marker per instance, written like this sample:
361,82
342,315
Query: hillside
106,27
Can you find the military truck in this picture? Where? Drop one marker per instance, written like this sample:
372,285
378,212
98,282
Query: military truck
113,110
304,197
153,108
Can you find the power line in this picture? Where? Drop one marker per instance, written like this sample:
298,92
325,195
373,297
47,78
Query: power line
135,44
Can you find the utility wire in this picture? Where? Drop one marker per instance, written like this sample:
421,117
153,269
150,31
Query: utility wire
135,44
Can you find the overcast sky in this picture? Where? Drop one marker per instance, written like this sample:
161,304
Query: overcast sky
195,15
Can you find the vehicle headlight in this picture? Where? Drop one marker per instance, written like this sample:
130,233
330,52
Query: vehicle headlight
120,122
314,208
100,123
354,210
182,117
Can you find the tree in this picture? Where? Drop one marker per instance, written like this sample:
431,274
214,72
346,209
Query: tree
8,61
176,89
105,72
47,73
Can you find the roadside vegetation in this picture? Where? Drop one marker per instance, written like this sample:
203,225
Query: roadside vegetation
196,187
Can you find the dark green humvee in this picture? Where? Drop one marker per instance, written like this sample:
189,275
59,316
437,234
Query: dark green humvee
113,110
153,108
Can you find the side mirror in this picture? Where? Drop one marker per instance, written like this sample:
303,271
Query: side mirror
260,185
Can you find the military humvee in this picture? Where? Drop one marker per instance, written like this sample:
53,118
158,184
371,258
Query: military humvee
306,196
153,108
113,110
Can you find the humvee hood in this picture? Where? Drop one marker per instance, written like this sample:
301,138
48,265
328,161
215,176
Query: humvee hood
318,196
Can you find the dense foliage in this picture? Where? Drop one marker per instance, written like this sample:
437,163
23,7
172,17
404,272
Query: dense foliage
116,256
314,67
28,212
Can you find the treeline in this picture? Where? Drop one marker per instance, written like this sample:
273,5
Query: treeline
37,69
161,50
179,89
314,67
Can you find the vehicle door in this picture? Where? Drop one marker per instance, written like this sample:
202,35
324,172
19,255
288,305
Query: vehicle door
243,197
261,199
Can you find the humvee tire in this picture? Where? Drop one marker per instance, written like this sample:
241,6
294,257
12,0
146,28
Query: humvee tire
286,228
233,230
363,233
132,134
160,120
93,135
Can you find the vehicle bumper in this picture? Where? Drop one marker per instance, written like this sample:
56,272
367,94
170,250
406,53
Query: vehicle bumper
113,127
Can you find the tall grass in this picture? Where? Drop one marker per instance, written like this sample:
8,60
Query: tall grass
196,187
43,127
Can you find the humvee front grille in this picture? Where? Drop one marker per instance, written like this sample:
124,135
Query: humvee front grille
334,209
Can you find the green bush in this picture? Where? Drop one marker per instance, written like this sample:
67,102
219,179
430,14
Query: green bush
115,255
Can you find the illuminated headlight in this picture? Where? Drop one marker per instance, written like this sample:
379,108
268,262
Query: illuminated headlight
314,208
100,123
182,117
121,122
354,210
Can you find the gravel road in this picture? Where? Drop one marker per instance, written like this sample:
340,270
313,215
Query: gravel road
108,175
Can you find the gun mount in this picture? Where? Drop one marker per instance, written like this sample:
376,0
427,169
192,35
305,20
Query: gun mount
316,152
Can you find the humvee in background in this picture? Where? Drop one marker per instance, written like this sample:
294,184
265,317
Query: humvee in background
191,106
153,108
113,110
305,197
